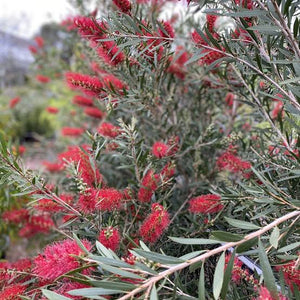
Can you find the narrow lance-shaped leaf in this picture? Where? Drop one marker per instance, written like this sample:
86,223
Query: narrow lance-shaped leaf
219,276
269,279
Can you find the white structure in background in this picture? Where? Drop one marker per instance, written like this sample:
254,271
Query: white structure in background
15,59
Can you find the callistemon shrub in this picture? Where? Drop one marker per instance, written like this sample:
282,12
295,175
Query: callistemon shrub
176,167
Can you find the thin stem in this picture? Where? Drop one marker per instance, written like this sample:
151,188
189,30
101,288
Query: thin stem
282,137
208,254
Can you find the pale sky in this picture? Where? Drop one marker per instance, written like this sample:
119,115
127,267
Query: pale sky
24,17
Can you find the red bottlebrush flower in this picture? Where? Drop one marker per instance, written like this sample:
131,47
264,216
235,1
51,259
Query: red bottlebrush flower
41,223
89,28
206,204
53,167
264,294
94,112
197,38
109,130
210,22
72,131
232,163
13,102
42,78
12,292
109,199
110,238
22,265
89,85
229,99
110,53
18,150
87,173
58,259
245,3
278,110
237,271
32,49
52,110
87,202
177,63
168,30
155,224
168,171
40,41
49,206
123,5
291,274
173,144
112,82
82,101
16,216
160,149
149,182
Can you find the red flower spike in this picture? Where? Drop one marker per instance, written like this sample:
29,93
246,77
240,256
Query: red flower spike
291,274
53,167
58,259
206,204
15,216
80,158
52,110
109,130
82,101
32,49
110,238
232,163
168,31
160,149
90,85
123,5
94,112
13,102
12,292
110,53
149,185
87,202
89,28
40,41
210,22
42,78
155,224
72,131
109,199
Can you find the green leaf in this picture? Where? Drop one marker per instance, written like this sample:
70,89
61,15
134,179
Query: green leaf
157,257
219,276
90,292
269,279
54,296
227,276
113,285
110,261
79,243
153,294
289,247
103,250
201,284
271,29
274,237
190,241
191,254
226,236
246,245
241,224
120,272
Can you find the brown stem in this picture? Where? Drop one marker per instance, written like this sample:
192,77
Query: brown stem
150,282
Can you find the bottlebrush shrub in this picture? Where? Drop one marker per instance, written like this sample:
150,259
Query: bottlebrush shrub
178,173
